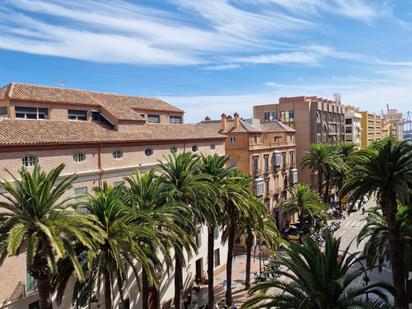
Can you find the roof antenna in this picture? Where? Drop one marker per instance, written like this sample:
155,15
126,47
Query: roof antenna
61,83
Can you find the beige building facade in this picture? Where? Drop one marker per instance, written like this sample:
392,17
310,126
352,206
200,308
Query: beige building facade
264,150
396,122
315,119
101,138
353,127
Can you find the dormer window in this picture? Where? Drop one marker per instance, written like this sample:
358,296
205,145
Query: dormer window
31,112
77,115
153,118
175,119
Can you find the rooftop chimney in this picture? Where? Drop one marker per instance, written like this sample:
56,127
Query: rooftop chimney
223,122
236,124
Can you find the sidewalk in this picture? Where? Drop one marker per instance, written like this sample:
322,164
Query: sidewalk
238,279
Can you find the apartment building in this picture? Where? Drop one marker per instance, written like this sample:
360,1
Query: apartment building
371,125
396,121
387,128
315,119
102,138
264,150
353,129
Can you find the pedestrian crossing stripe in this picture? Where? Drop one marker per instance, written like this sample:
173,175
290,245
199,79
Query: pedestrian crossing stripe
353,223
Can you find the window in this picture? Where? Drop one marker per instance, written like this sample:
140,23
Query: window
266,116
292,158
294,176
153,118
256,166
29,161
80,191
198,239
216,257
31,112
79,157
291,115
259,188
194,148
277,140
175,119
318,116
233,164
77,115
3,111
216,233
148,152
274,115
348,129
267,186
277,158
173,149
266,164
348,121
233,140
212,146
117,154
255,139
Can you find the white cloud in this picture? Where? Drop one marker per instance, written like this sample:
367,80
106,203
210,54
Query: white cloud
292,57
219,67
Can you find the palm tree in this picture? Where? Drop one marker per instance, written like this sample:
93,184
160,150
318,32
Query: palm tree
318,279
322,159
345,151
120,248
215,167
147,193
237,208
187,186
39,219
375,233
304,202
386,171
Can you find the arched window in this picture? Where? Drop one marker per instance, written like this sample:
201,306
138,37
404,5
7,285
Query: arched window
148,152
79,157
29,161
194,148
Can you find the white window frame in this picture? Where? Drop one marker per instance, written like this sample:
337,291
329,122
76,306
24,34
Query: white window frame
175,119
152,116
29,161
77,114
34,112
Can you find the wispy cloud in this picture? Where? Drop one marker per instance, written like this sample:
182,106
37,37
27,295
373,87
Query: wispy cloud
292,57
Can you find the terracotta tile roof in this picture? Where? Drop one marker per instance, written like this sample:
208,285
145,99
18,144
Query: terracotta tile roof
120,106
35,132
275,126
243,127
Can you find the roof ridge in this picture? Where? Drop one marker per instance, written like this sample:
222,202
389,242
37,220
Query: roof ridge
87,91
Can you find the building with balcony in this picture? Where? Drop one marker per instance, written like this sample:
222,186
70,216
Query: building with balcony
371,128
264,150
102,138
396,122
353,129
315,119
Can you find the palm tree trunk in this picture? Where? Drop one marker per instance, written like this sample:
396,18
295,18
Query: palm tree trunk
145,290
210,266
154,301
231,241
320,179
178,282
395,252
44,288
249,245
107,290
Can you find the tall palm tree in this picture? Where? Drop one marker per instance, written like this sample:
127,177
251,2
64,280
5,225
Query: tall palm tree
38,218
322,158
187,186
375,233
119,250
147,193
386,171
215,167
303,201
318,279
237,208
345,150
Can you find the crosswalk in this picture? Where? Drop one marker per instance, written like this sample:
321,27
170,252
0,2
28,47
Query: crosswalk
353,224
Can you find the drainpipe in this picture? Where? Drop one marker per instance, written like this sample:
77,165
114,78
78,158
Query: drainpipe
100,166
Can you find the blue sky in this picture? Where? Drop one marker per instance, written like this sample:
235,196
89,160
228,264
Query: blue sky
214,56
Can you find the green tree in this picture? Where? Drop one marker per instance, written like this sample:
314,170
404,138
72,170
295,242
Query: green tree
120,249
41,220
318,279
375,235
215,167
303,201
386,171
238,206
147,193
189,186
322,159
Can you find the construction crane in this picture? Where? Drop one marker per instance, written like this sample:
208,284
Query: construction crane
407,127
